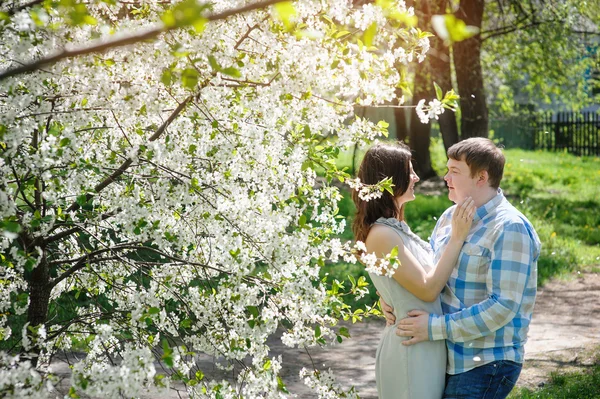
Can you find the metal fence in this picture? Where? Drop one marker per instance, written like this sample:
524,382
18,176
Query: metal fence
574,132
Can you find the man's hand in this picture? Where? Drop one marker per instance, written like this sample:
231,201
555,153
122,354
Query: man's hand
415,326
388,312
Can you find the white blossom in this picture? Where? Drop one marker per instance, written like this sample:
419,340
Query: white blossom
203,235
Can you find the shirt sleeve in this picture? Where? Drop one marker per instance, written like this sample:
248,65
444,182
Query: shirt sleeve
510,269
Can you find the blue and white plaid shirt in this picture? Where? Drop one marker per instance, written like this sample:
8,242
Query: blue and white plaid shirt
488,300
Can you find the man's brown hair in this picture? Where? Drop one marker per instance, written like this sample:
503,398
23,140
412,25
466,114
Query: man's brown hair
480,154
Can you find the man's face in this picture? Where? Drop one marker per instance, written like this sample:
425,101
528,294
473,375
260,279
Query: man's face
460,183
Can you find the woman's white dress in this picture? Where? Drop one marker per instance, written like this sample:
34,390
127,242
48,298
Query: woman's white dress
416,371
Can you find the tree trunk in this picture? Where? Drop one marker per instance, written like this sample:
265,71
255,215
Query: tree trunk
400,118
419,136
39,298
420,133
469,77
439,61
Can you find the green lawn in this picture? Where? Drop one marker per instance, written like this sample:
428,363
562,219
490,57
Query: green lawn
584,385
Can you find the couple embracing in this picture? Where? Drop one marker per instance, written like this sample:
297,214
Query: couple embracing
458,308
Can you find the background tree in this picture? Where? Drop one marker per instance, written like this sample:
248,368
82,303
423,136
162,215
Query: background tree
435,68
521,56
540,54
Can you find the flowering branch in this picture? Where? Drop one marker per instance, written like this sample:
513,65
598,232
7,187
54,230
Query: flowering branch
125,41
110,179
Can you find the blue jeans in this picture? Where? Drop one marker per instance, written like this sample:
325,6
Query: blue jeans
491,381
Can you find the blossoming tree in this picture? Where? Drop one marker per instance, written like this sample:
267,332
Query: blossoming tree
158,183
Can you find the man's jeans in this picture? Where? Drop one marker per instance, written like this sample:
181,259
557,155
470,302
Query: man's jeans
491,381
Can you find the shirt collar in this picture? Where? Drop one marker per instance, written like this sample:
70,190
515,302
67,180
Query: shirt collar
489,206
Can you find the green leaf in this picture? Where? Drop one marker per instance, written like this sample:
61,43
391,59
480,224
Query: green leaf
153,310
185,323
394,252
391,10
344,332
362,281
285,12
81,199
302,221
369,34
438,91
340,34
199,25
168,19
10,226
383,124
186,13
189,78
167,352
281,386
213,63
451,29
30,264
73,393
231,71
253,310
317,331
167,77
352,280
267,365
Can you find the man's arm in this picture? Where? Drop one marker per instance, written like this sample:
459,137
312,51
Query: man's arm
508,274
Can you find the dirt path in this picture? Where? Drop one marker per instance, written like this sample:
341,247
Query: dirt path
564,334
565,331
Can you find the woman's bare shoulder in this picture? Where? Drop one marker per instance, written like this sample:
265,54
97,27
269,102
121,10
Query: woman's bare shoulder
382,239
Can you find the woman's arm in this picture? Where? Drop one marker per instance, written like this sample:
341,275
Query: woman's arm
410,274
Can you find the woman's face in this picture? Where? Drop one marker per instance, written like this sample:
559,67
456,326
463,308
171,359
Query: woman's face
409,195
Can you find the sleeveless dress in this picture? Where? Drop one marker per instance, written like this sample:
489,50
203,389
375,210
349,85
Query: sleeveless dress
416,371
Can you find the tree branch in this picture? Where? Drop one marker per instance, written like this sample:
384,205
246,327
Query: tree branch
67,233
509,29
14,10
116,174
134,38
87,258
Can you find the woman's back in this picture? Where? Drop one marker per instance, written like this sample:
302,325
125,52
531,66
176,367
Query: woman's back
418,371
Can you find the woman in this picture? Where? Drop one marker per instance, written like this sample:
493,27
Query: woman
406,372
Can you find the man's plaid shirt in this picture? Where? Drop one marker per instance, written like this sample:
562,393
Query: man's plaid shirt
489,298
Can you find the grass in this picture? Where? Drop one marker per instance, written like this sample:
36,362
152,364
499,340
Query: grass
558,192
560,195
585,385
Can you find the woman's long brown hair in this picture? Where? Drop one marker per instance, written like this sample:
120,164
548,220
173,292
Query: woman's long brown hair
381,161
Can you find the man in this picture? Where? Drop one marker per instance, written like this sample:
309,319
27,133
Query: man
488,300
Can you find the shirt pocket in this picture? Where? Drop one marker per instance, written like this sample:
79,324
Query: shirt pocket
474,262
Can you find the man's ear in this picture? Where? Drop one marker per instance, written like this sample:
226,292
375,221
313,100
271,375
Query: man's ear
482,178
